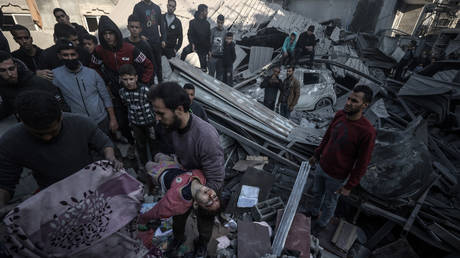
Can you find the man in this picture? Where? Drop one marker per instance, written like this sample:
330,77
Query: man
196,145
28,53
49,58
83,89
112,53
52,144
289,93
342,156
152,24
218,33
288,49
16,78
199,37
306,45
4,46
135,31
271,85
195,107
174,35
62,17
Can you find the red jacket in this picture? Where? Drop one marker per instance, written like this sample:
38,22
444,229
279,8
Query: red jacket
346,148
173,203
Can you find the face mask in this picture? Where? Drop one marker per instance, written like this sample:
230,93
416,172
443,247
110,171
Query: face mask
72,64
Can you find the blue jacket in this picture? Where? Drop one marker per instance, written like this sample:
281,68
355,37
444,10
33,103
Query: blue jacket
287,46
84,91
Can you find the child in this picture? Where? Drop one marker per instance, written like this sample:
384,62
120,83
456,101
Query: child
89,43
229,58
183,189
289,49
140,111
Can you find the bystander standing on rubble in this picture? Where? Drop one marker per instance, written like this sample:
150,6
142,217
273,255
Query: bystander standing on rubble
62,18
271,85
288,49
229,58
306,45
28,53
153,30
342,156
174,31
51,143
83,89
289,93
216,56
199,36
197,146
15,78
195,107
407,62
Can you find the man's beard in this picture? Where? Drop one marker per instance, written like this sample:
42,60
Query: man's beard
351,111
175,124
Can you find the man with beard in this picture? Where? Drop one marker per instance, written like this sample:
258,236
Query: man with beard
83,89
290,93
16,78
52,144
271,85
197,146
27,52
342,156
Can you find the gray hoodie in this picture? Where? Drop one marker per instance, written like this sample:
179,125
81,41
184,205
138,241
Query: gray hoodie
217,41
84,91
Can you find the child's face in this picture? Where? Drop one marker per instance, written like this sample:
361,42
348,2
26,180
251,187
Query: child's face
207,199
89,45
228,40
129,81
134,28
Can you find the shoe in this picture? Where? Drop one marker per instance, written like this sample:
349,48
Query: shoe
201,249
173,249
317,229
309,214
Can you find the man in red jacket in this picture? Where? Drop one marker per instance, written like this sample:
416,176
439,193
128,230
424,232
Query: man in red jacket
343,156
107,59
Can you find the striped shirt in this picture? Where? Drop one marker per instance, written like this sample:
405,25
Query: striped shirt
140,110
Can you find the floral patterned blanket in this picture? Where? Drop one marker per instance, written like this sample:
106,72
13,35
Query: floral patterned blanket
89,214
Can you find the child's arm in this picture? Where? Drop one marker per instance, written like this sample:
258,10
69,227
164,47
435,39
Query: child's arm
167,207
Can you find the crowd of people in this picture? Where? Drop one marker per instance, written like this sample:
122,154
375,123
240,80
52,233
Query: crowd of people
75,98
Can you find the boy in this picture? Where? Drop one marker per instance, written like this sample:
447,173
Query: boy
195,107
89,43
140,112
229,58
183,189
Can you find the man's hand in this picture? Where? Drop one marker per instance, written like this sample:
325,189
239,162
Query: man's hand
285,54
343,191
144,38
113,124
312,161
109,154
163,44
45,74
117,164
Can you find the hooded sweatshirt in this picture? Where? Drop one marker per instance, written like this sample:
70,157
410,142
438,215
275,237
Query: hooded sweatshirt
287,46
84,91
114,57
27,80
199,34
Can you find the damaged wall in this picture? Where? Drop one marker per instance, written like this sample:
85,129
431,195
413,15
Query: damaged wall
322,10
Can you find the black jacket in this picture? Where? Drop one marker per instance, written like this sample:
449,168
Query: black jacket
229,54
4,43
271,89
306,40
49,59
32,62
26,81
199,34
150,16
174,35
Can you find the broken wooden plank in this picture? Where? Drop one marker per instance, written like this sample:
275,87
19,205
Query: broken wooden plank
445,235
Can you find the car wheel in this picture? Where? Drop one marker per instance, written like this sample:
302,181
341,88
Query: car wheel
324,102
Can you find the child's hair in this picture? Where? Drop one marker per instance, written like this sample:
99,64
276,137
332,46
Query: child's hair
229,34
189,86
127,69
90,37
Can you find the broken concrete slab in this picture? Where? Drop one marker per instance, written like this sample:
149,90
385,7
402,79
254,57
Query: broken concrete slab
253,240
298,238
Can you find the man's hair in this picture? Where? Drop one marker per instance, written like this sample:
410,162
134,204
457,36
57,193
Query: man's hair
311,28
189,86
220,17
37,109
90,37
368,94
58,10
229,34
291,67
128,69
63,31
172,94
134,18
173,1
64,44
4,55
201,8
18,27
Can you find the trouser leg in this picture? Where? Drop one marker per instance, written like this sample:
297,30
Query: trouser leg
156,51
220,69
318,192
228,76
203,61
212,66
121,113
331,196
141,137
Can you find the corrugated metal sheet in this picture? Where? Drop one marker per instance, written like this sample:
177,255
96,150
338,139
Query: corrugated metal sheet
259,57
447,76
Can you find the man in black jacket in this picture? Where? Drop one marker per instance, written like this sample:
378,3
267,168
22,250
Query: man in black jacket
152,25
306,45
199,36
27,52
173,31
62,17
229,58
271,85
16,78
